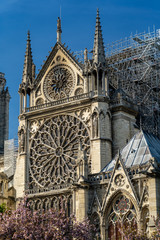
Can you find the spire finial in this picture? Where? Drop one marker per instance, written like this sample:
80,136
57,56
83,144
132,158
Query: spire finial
97,12
28,35
98,48
59,30
28,62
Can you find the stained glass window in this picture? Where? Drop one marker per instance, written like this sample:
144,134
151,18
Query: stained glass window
122,212
122,205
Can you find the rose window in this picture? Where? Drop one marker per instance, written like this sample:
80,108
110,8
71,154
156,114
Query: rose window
59,82
54,150
122,205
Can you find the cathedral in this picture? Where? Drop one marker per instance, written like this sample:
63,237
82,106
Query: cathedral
89,132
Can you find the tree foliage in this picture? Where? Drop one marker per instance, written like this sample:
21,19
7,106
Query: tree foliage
130,232
23,223
3,208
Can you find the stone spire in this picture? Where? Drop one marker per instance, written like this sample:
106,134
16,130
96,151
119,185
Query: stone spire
59,30
98,48
28,62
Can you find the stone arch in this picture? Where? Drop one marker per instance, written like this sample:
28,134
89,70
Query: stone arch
39,101
94,75
54,203
100,76
109,114
69,205
38,204
132,211
45,204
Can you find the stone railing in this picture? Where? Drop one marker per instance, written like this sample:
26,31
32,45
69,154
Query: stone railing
59,102
42,190
66,100
136,170
104,177
99,177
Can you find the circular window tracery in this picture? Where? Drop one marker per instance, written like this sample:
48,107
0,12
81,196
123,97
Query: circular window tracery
119,180
54,150
122,205
59,82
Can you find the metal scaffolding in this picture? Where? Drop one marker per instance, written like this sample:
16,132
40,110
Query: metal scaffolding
133,64
10,155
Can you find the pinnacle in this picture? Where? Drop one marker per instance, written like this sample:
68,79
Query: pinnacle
28,36
98,49
59,30
28,62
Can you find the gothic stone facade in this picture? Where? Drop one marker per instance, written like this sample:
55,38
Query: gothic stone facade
4,111
69,131
7,193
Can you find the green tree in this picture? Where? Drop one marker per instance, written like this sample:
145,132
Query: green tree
3,208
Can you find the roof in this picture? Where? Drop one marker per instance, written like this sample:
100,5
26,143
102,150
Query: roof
140,149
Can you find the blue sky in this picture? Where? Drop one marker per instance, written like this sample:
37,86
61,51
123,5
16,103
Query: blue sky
119,18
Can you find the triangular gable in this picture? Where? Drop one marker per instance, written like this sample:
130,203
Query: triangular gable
50,58
67,73
120,181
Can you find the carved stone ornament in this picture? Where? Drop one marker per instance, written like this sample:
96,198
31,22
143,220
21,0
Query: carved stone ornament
54,151
119,180
39,101
21,139
84,114
34,126
59,82
79,91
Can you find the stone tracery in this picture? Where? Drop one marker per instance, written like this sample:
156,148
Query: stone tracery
54,202
123,211
54,151
59,82
119,180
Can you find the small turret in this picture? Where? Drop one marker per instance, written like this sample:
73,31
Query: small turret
28,77
4,112
96,68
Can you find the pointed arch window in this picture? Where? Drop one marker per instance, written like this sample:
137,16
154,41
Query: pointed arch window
95,220
122,212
